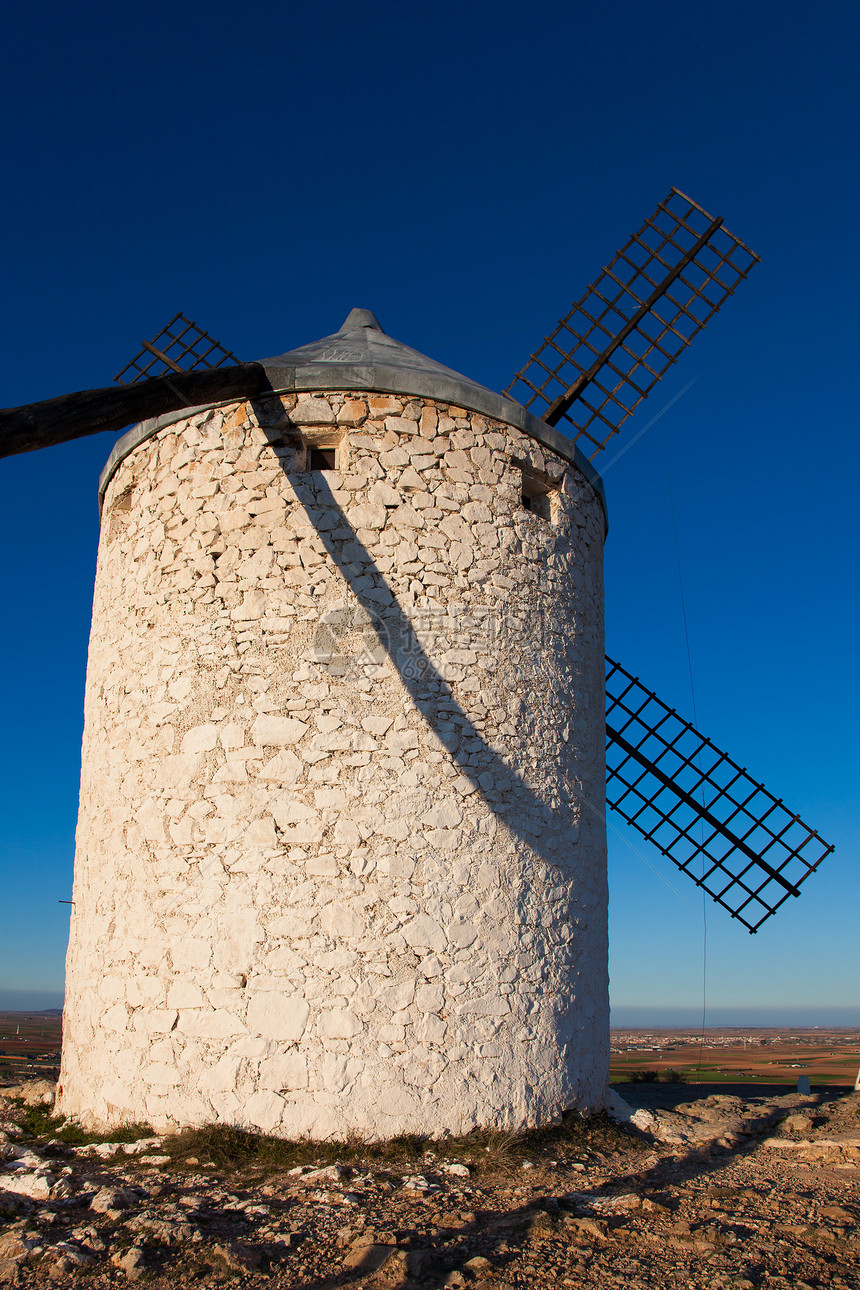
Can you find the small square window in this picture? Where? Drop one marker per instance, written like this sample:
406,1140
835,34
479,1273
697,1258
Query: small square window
538,504
537,494
322,458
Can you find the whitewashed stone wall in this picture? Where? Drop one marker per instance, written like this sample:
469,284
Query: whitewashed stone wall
326,882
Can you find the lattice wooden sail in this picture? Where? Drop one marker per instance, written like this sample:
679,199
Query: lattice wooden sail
702,810
181,346
631,325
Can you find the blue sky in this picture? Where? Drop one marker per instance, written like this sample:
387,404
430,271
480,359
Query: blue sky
464,171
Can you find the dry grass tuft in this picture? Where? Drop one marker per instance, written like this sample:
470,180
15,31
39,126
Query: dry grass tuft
230,1148
40,1123
227,1147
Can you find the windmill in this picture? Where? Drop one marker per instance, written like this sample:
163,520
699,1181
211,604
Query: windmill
592,371
702,810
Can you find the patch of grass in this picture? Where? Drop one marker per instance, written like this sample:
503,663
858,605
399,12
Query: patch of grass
39,1123
229,1148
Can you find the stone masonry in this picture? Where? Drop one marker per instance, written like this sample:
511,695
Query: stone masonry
341,850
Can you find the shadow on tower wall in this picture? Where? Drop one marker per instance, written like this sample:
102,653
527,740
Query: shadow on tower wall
550,829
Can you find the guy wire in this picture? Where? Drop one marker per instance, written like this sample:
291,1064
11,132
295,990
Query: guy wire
698,754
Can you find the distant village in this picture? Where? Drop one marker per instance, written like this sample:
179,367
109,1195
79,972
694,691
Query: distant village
667,1041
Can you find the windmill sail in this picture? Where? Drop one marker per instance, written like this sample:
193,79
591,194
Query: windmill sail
181,346
702,810
630,326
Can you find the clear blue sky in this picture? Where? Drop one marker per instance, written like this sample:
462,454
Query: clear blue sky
464,171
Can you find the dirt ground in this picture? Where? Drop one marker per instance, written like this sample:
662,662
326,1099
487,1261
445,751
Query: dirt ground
707,1187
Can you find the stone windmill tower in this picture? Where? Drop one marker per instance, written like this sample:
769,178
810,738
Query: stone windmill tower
313,871
341,846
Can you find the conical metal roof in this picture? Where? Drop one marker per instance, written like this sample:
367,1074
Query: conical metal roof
361,356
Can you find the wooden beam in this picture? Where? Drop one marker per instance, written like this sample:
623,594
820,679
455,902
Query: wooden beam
39,425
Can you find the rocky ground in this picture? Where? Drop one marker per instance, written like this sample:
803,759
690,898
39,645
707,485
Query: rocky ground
689,1186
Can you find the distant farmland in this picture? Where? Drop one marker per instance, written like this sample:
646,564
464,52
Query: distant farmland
735,1055
29,1045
